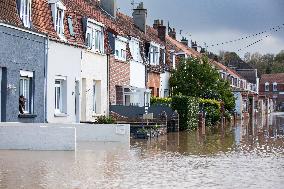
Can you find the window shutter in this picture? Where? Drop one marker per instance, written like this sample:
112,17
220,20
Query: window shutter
19,6
84,24
70,25
111,39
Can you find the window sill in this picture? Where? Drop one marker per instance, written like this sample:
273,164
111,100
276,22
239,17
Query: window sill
60,115
96,115
27,116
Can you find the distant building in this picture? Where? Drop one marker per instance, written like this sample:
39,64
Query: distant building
272,87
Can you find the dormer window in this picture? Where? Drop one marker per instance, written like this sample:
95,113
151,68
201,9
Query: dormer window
95,36
154,56
58,10
120,48
25,12
266,86
275,86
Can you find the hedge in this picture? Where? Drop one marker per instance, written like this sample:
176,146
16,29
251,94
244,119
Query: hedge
188,108
161,101
212,109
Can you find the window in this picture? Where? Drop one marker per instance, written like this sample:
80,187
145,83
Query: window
58,96
154,55
25,12
26,92
274,86
70,25
95,36
152,90
266,86
58,10
120,48
166,93
96,97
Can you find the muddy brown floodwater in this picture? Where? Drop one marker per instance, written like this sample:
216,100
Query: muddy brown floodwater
245,155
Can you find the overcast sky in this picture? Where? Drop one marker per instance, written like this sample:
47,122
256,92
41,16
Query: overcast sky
217,21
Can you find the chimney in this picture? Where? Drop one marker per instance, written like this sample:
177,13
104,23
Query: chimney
140,16
194,45
184,41
156,24
159,26
172,33
110,6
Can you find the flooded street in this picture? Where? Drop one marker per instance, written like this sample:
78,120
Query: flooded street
247,155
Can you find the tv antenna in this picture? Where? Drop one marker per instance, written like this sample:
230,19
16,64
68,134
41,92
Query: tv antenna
133,3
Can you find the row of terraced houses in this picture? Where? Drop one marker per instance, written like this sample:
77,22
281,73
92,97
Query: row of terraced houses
72,59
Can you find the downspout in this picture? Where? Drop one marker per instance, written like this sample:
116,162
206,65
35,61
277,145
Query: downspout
45,78
108,82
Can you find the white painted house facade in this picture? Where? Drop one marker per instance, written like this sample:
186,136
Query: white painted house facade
140,95
94,65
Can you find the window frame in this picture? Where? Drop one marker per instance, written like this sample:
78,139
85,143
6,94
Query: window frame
266,87
96,32
25,12
275,87
27,90
58,108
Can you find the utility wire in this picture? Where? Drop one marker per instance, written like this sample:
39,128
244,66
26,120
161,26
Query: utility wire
276,28
255,42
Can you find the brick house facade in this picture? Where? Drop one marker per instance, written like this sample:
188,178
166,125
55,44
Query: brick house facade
119,77
272,87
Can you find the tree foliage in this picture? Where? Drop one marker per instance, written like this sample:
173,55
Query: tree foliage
196,77
267,63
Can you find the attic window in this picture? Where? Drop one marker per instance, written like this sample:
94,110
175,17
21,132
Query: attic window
25,12
70,25
58,10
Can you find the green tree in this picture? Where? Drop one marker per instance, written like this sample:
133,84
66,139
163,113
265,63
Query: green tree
196,77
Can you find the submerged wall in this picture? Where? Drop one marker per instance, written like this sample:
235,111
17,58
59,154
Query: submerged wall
36,137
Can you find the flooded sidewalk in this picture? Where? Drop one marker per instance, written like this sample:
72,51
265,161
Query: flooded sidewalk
249,154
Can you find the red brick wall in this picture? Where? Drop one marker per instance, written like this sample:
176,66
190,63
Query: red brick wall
119,76
154,83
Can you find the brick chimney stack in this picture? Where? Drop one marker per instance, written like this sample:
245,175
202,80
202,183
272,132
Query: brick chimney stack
172,33
194,45
140,16
184,41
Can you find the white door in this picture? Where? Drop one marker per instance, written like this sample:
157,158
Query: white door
77,101
0,93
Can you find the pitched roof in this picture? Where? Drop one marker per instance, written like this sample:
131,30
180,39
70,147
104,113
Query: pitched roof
9,13
271,78
239,65
249,75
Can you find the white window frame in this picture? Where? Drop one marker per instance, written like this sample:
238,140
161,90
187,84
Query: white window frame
26,12
94,97
96,33
58,7
275,87
120,46
135,49
25,89
58,103
154,54
267,86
